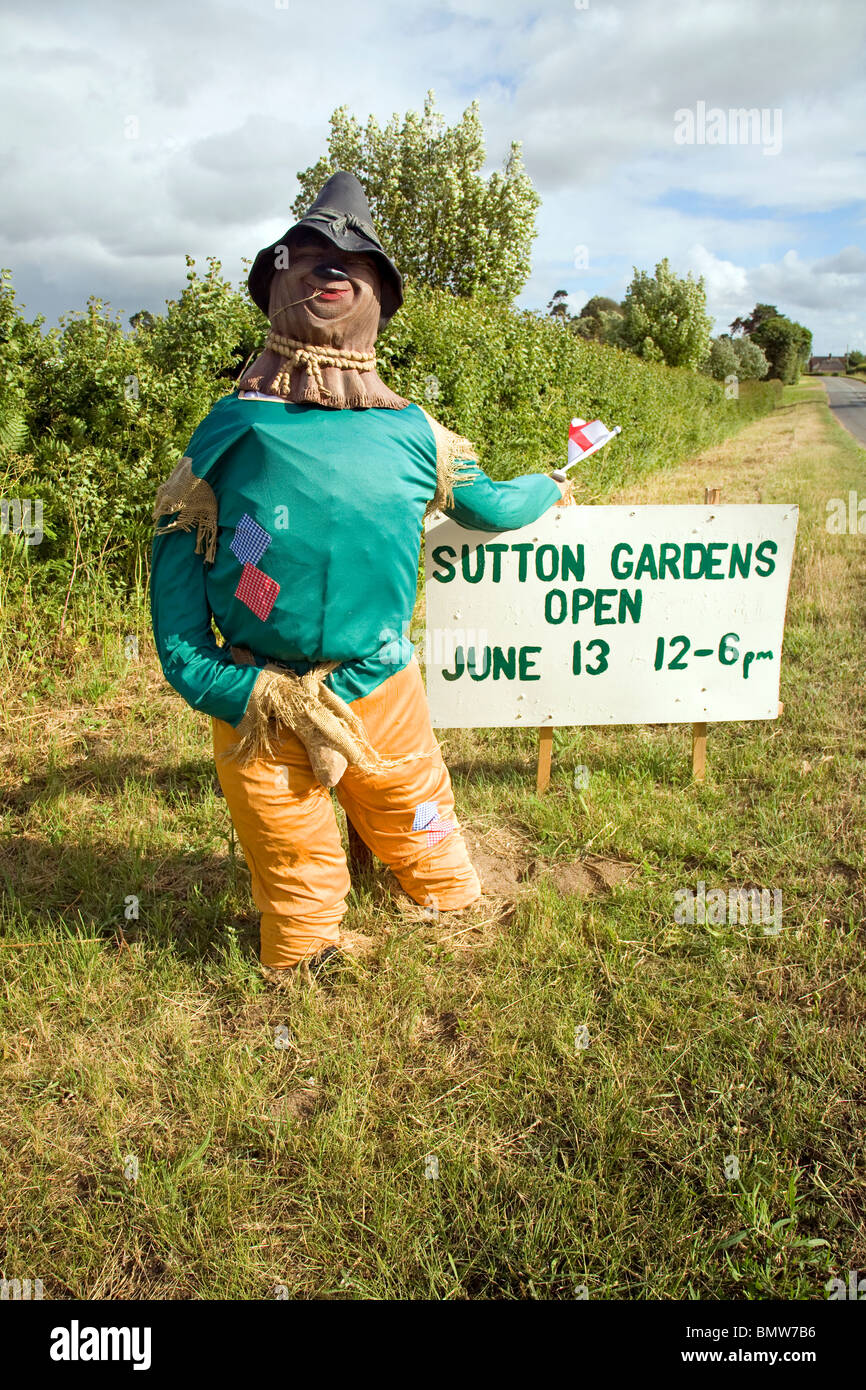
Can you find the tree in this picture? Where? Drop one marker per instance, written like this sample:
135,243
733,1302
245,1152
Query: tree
665,317
722,360
786,345
752,364
598,305
739,357
557,307
24,367
600,319
443,223
856,359
759,314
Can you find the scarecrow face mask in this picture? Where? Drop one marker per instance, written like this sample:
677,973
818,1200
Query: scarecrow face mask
339,294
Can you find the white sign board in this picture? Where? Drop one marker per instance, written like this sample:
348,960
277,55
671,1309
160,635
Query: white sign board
609,615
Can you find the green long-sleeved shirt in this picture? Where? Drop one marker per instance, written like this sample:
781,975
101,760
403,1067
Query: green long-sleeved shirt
320,519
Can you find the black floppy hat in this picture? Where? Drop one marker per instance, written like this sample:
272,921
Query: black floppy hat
342,214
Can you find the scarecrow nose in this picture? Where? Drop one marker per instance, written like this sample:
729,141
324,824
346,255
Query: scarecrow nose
330,272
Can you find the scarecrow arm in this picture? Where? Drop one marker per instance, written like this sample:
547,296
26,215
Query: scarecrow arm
482,505
203,673
466,494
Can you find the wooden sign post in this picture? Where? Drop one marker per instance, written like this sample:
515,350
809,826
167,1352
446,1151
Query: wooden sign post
545,750
699,751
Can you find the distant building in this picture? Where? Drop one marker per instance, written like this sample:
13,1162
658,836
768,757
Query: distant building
828,364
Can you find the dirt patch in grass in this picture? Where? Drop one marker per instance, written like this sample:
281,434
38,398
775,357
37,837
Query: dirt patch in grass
500,860
297,1106
357,944
508,867
587,877
442,1033
443,1029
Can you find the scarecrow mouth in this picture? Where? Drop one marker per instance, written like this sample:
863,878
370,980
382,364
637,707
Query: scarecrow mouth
331,288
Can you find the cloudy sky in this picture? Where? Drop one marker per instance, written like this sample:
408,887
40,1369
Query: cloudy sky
135,133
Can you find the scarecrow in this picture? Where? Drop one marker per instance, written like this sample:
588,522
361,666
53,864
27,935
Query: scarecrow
294,522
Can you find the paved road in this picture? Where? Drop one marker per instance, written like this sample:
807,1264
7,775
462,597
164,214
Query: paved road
847,400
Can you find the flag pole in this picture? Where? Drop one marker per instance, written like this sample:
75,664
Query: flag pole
559,473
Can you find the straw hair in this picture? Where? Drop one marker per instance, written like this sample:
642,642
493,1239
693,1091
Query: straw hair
192,503
456,462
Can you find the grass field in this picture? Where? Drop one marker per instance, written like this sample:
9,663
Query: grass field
307,1167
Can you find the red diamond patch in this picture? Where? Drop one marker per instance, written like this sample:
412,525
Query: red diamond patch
257,590
438,829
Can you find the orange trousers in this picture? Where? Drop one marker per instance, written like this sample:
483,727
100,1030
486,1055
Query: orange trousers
286,823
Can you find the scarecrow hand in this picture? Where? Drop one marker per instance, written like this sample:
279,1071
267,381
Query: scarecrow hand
328,765
566,489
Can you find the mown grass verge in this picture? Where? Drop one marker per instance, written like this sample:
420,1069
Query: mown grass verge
305,1165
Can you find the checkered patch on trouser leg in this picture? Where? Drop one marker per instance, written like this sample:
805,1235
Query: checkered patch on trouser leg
257,590
250,541
427,811
438,829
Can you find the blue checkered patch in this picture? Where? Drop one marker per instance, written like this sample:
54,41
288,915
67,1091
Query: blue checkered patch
424,814
250,541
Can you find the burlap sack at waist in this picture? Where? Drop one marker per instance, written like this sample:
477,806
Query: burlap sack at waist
332,734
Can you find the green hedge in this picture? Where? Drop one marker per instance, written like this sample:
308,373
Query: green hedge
512,381
97,416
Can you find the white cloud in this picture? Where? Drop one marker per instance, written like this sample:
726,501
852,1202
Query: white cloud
232,99
833,288
726,283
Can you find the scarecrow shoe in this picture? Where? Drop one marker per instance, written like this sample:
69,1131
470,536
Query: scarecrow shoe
330,959
326,962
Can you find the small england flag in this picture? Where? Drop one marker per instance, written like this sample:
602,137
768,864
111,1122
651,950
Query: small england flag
585,436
